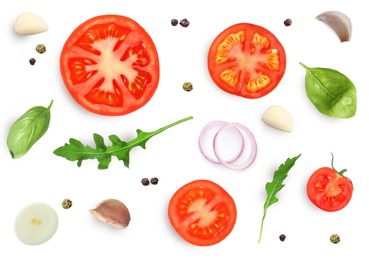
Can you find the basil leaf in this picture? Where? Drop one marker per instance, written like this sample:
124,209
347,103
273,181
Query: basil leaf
331,92
27,130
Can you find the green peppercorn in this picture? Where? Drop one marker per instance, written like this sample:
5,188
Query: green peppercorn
187,86
335,238
41,48
67,203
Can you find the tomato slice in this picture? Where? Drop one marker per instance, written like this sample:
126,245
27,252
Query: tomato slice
110,65
246,60
329,190
202,212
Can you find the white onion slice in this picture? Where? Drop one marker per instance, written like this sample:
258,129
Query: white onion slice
248,153
206,140
232,144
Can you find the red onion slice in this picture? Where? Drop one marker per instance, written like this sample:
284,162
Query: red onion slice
249,150
206,140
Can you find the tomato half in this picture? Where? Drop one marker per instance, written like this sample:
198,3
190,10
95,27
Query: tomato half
110,65
246,60
202,212
329,190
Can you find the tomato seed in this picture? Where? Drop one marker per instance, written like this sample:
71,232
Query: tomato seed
154,180
174,22
41,48
335,238
282,237
287,22
145,181
184,22
32,61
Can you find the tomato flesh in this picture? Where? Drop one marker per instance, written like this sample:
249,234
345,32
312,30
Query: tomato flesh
110,65
246,60
328,190
202,213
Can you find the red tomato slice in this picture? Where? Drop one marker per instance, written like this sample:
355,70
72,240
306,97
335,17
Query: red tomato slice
110,65
328,190
246,60
202,213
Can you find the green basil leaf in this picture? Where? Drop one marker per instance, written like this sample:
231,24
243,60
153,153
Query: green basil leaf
331,92
27,130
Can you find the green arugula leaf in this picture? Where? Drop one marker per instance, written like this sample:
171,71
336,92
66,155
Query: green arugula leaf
76,151
272,188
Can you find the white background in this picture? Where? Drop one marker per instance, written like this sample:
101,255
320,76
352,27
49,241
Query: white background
173,156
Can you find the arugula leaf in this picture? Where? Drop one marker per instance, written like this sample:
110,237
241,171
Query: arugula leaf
272,188
76,151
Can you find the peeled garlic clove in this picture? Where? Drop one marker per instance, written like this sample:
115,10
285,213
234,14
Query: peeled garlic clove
278,118
338,22
29,24
112,212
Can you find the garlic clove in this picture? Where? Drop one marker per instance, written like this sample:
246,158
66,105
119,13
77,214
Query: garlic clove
338,22
112,212
29,24
278,118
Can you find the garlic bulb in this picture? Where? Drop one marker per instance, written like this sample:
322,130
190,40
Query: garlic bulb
112,212
338,22
29,24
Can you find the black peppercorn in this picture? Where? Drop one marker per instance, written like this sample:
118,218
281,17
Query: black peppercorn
154,180
32,61
184,22
145,181
287,22
282,237
174,22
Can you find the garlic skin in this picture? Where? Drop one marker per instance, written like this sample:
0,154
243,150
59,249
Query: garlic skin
112,212
338,22
278,118
29,24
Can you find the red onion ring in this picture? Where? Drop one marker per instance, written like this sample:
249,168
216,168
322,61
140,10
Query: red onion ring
207,137
248,152
242,159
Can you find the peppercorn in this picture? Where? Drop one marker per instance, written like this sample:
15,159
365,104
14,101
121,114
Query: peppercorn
287,22
32,61
145,181
41,48
154,180
67,203
282,237
184,22
187,86
174,22
335,238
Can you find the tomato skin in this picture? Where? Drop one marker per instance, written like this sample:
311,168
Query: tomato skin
246,60
328,190
110,65
202,213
